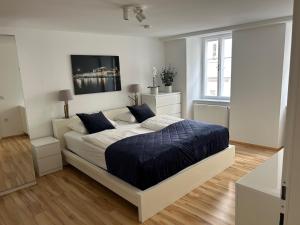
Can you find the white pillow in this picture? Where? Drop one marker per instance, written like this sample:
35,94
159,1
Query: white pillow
159,122
77,126
126,116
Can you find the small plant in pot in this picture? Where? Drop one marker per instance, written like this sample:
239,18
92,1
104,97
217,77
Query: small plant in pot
167,77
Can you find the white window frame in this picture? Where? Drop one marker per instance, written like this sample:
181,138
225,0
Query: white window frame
220,70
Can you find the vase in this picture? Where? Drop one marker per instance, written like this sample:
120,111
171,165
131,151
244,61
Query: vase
169,89
154,90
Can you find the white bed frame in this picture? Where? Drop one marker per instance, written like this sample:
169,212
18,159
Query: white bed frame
156,198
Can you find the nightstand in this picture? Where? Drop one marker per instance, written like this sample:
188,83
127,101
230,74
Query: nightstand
46,155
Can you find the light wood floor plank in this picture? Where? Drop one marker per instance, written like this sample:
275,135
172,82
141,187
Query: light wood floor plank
16,165
69,197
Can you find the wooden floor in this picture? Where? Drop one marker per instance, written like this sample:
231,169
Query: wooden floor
16,165
69,197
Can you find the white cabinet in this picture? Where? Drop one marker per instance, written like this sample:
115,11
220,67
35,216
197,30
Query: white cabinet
258,194
46,155
164,103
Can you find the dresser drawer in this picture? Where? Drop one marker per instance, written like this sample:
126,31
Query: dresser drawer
164,100
47,150
169,109
49,164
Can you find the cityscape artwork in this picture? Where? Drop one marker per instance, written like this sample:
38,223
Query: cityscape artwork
93,74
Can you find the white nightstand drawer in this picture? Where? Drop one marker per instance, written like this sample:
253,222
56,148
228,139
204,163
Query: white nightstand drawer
48,150
169,109
46,155
164,100
49,164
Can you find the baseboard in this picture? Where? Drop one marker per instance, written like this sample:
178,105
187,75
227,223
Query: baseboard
15,136
254,145
18,188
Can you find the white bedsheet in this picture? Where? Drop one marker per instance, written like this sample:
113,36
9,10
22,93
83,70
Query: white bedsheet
105,138
159,122
87,151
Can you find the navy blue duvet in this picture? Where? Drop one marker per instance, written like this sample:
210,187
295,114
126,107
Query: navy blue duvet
145,160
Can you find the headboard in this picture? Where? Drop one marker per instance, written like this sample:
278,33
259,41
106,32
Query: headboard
60,126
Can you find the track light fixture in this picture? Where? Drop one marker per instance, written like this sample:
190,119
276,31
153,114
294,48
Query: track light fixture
137,10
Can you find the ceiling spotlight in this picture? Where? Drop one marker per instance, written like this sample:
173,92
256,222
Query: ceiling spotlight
140,17
125,12
147,26
137,10
139,14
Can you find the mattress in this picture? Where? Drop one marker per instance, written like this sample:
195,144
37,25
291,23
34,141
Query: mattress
92,147
88,151
85,150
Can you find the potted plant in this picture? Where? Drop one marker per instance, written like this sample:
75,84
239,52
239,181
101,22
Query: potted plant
167,77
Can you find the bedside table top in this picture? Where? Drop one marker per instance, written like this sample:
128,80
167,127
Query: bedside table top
44,141
162,93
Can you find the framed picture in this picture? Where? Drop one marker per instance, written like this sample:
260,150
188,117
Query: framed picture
93,74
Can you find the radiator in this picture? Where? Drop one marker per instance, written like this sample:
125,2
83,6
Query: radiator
215,114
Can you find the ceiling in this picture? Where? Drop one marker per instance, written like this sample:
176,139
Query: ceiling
167,17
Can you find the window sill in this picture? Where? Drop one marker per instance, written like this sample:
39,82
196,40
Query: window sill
212,102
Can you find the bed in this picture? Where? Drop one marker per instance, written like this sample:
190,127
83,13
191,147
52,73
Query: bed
90,159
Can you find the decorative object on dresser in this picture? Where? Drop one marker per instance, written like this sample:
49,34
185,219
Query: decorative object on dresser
134,89
93,74
167,77
65,95
154,87
46,155
164,103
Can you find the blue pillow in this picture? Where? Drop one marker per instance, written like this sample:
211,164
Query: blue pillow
95,122
141,112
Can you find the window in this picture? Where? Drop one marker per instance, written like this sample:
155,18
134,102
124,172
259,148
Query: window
216,66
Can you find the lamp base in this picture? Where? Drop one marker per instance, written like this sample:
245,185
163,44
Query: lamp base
66,110
136,99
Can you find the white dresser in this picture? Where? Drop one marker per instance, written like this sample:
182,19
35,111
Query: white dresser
164,103
46,155
258,194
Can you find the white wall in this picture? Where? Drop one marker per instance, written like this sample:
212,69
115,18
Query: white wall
257,89
285,81
291,177
193,74
259,83
176,56
10,88
44,58
184,55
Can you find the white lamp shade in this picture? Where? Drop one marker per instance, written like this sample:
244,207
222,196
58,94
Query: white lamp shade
65,95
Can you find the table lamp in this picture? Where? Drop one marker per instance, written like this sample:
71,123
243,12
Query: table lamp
65,96
135,89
